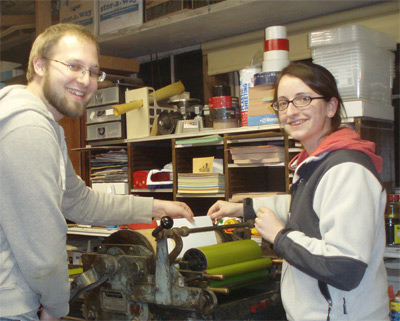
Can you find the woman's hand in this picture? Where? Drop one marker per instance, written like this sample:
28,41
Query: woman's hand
173,209
223,209
268,224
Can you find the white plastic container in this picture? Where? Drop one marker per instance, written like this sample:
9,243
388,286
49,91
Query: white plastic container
360,52
362,71
351,33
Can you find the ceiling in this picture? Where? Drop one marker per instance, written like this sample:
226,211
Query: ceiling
183,29
220,20
23,7
16,40
17,7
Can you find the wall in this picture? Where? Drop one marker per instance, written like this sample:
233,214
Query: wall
235,53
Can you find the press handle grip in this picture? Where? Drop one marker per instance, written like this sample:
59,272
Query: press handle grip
165,223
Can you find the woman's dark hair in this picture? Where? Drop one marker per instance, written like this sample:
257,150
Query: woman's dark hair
318,79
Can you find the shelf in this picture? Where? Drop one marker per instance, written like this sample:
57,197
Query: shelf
199,144
211,131
251,140
200,195
157,190
392,252
281,164
220,20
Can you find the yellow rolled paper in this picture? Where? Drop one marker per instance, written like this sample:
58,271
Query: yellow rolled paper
242,267
160,94
124,108
212,256
171,90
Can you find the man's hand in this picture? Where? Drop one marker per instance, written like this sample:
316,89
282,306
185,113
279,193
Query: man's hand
173,209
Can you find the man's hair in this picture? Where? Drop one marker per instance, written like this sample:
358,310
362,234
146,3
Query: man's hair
46,41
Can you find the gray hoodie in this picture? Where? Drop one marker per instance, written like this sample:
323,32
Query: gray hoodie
39,189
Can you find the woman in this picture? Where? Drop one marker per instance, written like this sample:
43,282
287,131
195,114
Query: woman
330,230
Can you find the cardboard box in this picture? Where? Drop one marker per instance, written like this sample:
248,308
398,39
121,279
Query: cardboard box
108,63
262,92
82,12
262,120
260,108
161,8
116,15
260,100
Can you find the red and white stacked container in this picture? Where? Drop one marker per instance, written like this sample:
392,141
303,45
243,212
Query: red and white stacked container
276,54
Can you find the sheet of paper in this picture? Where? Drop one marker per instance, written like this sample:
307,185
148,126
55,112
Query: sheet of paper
194,239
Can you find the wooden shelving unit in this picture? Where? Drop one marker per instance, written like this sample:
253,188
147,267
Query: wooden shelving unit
155,152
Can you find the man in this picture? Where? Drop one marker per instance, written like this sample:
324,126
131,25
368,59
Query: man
39,188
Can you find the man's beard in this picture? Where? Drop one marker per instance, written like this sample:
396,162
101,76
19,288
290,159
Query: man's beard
61,103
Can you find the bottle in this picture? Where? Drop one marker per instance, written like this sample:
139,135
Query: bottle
395,308
392,220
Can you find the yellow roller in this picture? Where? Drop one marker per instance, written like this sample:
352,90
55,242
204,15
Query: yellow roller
209,257
241,268
160,94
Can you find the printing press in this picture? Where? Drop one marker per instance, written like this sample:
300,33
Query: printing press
127,278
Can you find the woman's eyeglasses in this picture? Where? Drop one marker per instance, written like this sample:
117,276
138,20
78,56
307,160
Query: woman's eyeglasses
299,102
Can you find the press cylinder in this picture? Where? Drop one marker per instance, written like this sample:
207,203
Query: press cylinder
213,256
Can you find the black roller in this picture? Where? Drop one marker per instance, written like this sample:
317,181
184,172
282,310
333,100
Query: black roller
195,259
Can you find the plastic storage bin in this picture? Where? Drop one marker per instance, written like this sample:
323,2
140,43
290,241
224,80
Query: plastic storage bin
351,33
362,71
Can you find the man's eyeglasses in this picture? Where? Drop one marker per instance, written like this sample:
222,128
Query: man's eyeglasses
78,70
299,102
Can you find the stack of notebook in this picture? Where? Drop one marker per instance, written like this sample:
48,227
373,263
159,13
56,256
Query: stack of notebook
201,183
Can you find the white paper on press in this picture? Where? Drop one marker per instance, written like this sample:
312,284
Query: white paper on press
194,239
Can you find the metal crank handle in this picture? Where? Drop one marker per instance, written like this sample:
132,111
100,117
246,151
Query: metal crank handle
166,222
184,231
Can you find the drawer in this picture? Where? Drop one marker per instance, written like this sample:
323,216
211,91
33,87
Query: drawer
101,114
114,130
106,96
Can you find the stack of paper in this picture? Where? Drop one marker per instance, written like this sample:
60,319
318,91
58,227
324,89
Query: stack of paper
109,167
257,154
201,183
205,140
